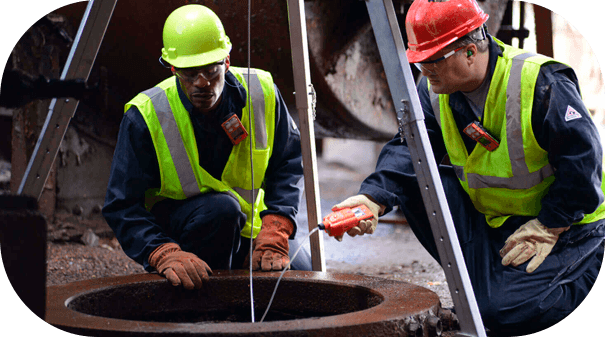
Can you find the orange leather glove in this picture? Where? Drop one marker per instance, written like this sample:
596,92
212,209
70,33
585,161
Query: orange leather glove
179,267
270,248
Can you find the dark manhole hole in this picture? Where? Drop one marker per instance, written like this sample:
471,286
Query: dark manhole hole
224,300
306,303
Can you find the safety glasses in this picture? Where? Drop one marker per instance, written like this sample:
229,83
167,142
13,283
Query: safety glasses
429,66
208,72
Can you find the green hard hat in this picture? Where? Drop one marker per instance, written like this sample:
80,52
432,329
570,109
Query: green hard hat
194,36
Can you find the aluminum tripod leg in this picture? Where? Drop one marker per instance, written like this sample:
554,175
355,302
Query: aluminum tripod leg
304,105
79,64
411,121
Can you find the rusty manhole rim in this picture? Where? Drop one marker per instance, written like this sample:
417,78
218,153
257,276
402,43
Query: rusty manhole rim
396,294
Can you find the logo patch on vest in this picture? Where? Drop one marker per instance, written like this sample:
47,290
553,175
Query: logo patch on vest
571,114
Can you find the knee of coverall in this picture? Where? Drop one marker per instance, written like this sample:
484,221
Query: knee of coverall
302,261
499,308
541,305
207,215
209,226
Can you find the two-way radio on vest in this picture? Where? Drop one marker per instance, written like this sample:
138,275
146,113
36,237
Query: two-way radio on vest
234,128
479,134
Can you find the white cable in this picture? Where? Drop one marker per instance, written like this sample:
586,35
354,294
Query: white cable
251,165
282,273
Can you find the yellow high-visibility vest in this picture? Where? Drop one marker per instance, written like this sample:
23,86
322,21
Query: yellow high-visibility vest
513,179
172,133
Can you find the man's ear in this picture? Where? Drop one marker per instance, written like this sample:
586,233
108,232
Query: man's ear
227,62
471,52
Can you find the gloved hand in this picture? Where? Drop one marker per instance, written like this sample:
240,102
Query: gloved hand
270,248
365,226
533,239
179,267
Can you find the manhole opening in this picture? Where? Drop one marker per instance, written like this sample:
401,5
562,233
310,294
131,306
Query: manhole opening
224,300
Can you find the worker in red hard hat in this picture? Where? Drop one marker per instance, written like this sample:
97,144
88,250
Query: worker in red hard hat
182,199
438,32
520,162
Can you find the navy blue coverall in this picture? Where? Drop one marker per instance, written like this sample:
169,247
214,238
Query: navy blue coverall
209,224
512,301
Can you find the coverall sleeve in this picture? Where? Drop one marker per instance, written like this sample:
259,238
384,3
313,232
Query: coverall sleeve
564,127
283,178
134,169
395,163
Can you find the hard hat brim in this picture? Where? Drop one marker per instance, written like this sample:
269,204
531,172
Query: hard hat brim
419,56
189,61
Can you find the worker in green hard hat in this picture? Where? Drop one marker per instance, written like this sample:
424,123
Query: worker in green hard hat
181,192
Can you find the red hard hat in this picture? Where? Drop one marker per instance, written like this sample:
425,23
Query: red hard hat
432,25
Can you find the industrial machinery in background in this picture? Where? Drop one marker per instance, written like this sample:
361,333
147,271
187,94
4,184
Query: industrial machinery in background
353,99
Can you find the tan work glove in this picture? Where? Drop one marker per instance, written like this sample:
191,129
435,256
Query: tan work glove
533,239
179,267
270,248
365,226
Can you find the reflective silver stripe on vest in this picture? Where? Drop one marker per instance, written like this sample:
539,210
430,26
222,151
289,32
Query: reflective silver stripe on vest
513,117
246,194
522,178
435,104
177,146
459,170
258,105
512,183
173,139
